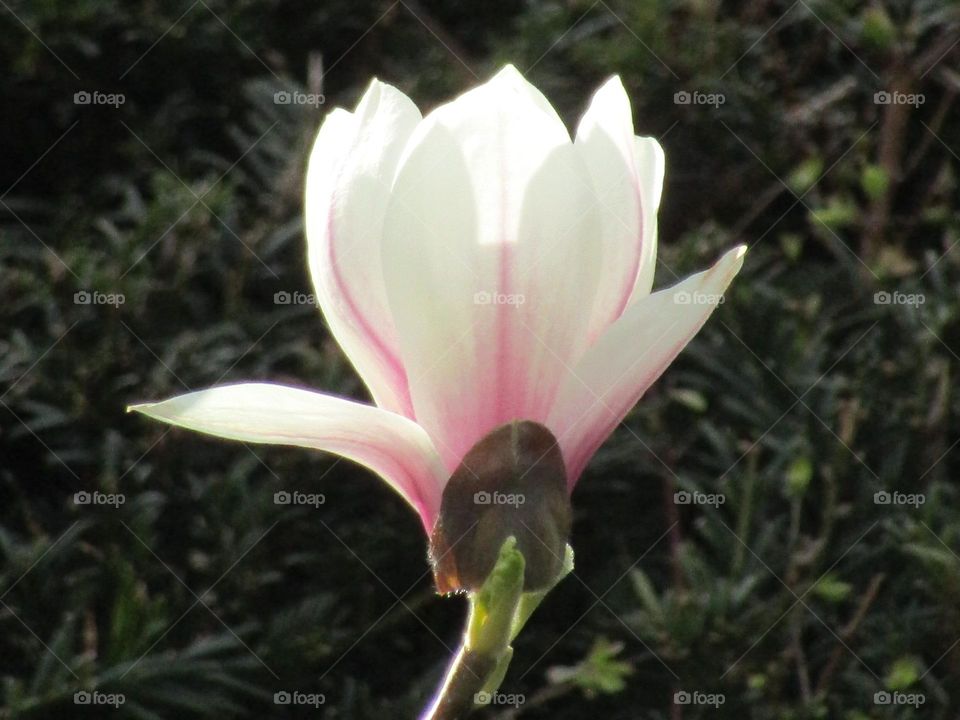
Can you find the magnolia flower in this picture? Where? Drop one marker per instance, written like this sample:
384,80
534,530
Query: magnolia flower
477,267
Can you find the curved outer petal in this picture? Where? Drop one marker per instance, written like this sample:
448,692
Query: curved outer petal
616,371
650,163
392,446
605,141
488,262
626,174
349,176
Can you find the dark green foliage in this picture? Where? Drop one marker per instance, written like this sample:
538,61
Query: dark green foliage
797,597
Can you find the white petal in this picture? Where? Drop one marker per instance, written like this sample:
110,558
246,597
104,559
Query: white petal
512,80
616,371
349,178
489,262
650,163
392,446
626,173
605,140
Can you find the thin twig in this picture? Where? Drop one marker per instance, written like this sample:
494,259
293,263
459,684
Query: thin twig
846,635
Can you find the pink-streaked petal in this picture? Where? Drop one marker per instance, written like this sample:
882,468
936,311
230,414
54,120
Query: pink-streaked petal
626,360
349,177
394,447
489,262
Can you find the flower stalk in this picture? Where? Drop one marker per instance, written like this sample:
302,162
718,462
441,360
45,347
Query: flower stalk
498,611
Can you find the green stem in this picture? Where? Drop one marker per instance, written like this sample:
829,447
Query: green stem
464,681
498,611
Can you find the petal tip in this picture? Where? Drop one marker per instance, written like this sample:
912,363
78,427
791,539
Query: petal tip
609,109
370,98
732,262
509,72
510,78
147,409
614,83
